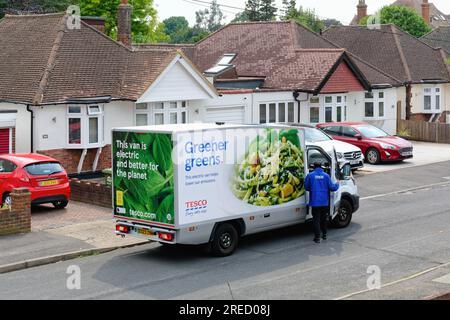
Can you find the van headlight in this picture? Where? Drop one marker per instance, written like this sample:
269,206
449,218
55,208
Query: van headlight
386,146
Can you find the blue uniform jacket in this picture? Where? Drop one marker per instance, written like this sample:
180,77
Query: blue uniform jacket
319,185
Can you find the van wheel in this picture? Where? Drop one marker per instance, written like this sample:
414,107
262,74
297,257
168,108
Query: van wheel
373,156
60,204
344,216
225,240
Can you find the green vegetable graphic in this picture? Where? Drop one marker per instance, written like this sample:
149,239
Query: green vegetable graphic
272,172
151,198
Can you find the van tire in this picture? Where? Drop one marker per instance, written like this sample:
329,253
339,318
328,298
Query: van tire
344,216
225,240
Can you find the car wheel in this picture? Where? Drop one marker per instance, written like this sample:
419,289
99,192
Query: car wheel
344,216
373,156
60,204
225,240
6,200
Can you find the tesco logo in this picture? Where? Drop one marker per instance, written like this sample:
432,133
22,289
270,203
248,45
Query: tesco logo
196,204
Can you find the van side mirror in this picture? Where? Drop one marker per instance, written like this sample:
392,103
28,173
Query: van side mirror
358,136
346,172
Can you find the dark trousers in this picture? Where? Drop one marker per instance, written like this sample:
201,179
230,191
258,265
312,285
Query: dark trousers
320,217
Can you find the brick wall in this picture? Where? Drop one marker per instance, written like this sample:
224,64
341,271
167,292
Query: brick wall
443,117
70,158
420,117
91,192
18,218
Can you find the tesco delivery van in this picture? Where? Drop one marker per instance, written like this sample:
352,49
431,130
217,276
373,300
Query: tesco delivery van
214,183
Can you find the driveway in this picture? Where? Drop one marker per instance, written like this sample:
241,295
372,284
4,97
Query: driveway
424,153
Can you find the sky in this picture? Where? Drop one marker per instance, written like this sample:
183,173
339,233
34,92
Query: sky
342,10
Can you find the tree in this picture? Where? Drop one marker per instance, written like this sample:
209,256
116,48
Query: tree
145,26
252,10
289,9
241,17
405,18
177,29
267,10
209,19
331,22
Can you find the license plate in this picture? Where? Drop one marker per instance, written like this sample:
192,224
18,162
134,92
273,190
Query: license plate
354,162
48,183
407,154
146,232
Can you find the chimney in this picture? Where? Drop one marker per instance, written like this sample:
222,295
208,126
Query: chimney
362,10
426,11
96,22
124,23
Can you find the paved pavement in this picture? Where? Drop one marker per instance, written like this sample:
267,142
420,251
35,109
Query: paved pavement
405,235
58,231
425,153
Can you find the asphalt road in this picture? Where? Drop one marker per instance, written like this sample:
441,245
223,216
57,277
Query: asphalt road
405,235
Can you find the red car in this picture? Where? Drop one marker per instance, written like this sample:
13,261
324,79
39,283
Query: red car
376,144
43,176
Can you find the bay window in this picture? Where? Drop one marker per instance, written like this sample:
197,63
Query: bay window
84,126
156,113
277,112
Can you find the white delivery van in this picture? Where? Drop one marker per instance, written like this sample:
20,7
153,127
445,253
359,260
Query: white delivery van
213,183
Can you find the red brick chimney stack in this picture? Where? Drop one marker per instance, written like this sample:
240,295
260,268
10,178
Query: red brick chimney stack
362,10
426,11
124,23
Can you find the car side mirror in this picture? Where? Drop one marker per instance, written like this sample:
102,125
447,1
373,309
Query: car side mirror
346,171
358,136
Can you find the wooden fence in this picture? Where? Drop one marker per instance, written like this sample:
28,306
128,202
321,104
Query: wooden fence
425,131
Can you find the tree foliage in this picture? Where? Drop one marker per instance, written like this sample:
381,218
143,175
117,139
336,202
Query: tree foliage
405,18
32,6
145,26
178,31
259,10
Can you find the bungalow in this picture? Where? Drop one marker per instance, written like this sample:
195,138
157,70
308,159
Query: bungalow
62,89
280,72
422,69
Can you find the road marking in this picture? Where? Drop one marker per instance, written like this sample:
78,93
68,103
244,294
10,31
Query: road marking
445,279
413,276
404,190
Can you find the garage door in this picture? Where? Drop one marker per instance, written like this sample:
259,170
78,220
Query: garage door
4,141
226,114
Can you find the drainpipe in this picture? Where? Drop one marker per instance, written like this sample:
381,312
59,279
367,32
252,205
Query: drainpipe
31,127
296,94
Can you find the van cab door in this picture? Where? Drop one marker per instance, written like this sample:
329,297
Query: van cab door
330,165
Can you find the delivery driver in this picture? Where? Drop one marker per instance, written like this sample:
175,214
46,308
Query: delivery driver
319,185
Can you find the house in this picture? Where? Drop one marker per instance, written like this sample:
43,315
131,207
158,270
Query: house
438,38
422,69
279,71
62,89
429,12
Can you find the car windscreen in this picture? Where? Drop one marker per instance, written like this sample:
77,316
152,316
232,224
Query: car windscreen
44,168
315,135
372,132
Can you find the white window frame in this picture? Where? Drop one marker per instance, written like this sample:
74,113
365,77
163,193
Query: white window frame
84,117
376,100
277,104
435,92
166,109
334,104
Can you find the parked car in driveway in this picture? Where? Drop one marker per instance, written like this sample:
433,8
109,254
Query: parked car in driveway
43,176
376,144
346,152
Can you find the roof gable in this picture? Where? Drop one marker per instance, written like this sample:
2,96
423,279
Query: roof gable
397,52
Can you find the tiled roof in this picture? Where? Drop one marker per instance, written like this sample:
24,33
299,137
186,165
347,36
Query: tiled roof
42,61
287,55
393,51
438,38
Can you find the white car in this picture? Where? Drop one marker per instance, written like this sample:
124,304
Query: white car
346,152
